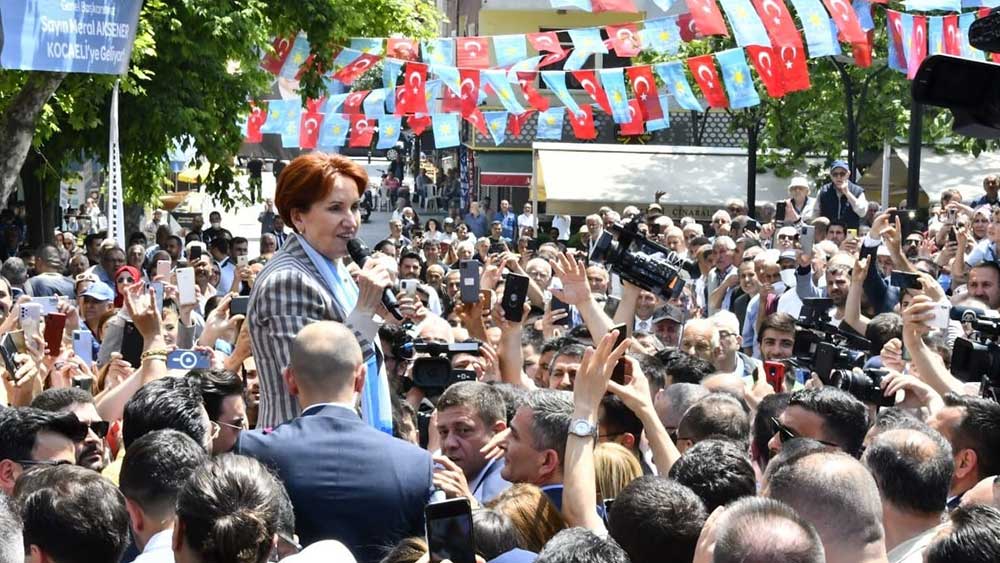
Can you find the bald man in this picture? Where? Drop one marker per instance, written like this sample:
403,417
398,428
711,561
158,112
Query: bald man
346,479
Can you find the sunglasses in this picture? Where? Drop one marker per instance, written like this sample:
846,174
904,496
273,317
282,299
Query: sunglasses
45,463
786,237
100,427
838,174
785,434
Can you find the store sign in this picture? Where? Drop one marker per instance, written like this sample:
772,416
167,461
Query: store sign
509,179
85,36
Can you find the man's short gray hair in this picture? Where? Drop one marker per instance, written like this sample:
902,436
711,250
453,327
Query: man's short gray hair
763,529
11,540
551,413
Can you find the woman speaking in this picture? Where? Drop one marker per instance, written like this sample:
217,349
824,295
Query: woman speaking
307,281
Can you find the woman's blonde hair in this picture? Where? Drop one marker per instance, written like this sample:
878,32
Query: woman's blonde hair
534,516
615,467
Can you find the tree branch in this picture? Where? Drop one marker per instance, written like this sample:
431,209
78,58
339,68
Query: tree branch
17,126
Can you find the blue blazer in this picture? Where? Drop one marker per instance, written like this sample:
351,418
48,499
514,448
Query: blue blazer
347,481
492,484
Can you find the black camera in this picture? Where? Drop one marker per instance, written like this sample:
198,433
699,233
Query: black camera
977,358
824,348
864,384
433,373
640,261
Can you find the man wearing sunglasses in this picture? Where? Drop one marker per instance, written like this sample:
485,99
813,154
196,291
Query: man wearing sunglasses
828,415
90,449
31,437
841,199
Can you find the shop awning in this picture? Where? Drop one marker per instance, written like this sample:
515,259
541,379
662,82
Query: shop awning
510,169
576,179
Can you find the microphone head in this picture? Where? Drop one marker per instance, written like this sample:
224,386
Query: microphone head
358,249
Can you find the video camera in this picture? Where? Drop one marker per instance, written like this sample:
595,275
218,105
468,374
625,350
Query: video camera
433,373
640,261
978,358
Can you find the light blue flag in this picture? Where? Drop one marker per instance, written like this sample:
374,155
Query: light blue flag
864,10
333,103
837,49
333,132
496,124
439,51
345,57
584,5
556,81
390,73
586,41
968,52
296,57
526,65
672,74
290,132
928,5
662,35
374,104
613,82
664,123
497,79
448,75
370,45
747,27
907,21
935,35
279,113
736,77
508,49
550,123
664,4
816,25
388,130
432,91
445,130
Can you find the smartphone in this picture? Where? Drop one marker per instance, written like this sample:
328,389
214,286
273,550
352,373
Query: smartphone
905,280
188,359
49,304
952,216
158,290
892,217
497,247
185,286
942,315
780,209
83,346
31,323
515,291
55,323
618,375
242,261
852,233
557,304
239,305
132,345
807,238
449,531
952,237
7,349
163,268
469,290
409,287
85,382
18,336
194,254
774,373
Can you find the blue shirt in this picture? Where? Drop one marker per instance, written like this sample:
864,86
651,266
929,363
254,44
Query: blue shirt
984,251
477,224
509,223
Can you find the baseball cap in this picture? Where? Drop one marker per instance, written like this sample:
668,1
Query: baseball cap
787,255
799,182
668,312
839,164
448,220
100,291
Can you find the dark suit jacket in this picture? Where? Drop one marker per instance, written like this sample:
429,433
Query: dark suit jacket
347,481
492,484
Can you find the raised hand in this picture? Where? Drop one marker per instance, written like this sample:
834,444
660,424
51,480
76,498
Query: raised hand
573,275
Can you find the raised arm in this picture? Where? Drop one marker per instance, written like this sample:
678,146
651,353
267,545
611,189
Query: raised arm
576,292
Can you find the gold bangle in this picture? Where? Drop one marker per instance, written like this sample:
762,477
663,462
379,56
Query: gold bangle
156,357
155,352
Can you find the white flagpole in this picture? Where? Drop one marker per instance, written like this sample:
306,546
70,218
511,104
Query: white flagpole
116,211
886,170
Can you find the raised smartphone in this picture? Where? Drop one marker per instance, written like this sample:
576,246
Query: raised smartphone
185,286
469,290
515,291
449,531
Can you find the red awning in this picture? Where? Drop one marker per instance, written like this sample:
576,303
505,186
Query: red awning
510,179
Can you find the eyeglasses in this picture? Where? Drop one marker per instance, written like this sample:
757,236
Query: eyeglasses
726,334
238,425
100,427
838,174
45,463
216,429
785,433
786,237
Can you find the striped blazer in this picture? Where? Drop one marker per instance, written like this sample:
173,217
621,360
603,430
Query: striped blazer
288,294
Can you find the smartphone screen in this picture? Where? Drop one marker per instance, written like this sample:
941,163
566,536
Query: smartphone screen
774,372
780,209
515,291
194,254
905,280
557,304
239,305
55,323
163,268
449,531
132,344
469,290
83,345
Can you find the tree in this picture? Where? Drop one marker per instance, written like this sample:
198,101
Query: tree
194,67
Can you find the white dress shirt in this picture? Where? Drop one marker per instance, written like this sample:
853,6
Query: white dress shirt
158,549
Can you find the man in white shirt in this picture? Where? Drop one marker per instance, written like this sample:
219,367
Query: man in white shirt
527,220
154,469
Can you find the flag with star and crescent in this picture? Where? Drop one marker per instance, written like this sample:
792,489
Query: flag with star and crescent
736,77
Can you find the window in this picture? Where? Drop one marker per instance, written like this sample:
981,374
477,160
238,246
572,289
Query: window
594,61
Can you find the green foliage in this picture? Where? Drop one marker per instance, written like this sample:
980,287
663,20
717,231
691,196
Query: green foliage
193,68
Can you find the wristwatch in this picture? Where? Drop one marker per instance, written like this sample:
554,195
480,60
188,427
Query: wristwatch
583,428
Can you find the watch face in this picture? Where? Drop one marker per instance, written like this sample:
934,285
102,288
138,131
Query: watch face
582,428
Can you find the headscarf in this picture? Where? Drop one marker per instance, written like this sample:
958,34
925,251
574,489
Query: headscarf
136,276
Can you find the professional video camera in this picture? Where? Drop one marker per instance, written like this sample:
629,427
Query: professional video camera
978,358
433,373
640,261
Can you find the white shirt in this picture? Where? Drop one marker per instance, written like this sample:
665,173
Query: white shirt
527,220
158,549
645,325
561,222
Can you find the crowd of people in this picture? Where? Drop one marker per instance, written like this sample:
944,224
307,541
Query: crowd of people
811,381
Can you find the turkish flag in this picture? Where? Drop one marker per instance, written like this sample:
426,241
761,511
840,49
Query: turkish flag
778,22
768,67
418,123
516,122
309,125
274,61
352,104
478,121
583,123
636,125
401,48
315,105
952,35
863,51
450,102
356,68
624,39
362,131
707,17
794,70
547,42
644,86
703,69
846,20
893,19
689,30
469,88
412,96
918,46
588,81
255,120
614,6
473,52
527,82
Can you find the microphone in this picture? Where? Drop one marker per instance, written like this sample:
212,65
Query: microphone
360,252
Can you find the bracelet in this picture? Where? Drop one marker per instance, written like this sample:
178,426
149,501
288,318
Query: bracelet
155,352
156,357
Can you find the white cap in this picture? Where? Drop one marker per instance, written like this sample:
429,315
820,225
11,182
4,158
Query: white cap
799,182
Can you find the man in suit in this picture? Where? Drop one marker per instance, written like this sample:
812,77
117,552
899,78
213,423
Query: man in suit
347,481
536,447
469,414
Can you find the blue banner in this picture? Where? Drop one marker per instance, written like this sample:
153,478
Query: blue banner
62,36
662,35
496,124
672,74
736,77
446,131
613,81
747,27
816,25
550,123
556,81
509,49
389,127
